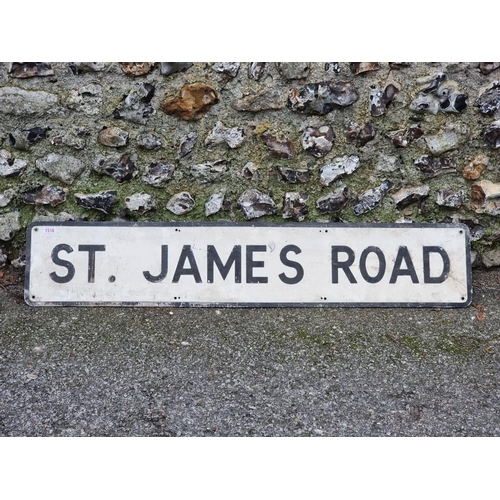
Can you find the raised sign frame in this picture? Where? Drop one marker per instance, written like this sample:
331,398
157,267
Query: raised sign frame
59,264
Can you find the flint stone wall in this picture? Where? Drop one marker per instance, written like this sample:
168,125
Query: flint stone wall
318,142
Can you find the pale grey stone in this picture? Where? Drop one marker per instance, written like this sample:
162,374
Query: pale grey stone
344,165
443,142
214,204
140,202
233,137
9,166
181,203
269,98
62,168
208,172
6,197
9,225
19,102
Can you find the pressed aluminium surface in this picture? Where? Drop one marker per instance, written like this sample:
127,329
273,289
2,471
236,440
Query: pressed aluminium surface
248,265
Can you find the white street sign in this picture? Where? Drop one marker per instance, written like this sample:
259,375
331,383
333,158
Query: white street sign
235,265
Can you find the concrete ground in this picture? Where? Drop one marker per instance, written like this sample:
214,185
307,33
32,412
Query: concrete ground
250,372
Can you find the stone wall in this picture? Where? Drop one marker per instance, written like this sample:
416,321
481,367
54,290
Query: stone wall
318,142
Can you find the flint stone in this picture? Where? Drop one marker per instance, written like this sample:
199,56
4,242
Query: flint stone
269,98
380,99
333,202
21,102
363,67
214,204
9,225
113,137
432,165
86,67
23,139
474,169
6,197
404,137
294,176
249,170
150,142
71,138
103,201
332,66
450,198
30,69
344,165
256,70
255,204
441,143
425,103
360,135
295,206
321,98
192,102
409,195
136,106
233,137
120,168
169,68
487,67
45,195
278,145
492,134
485,197
228,68
136,68
489,101
208,172
318,140
187,144
140,202
61,167
159,174
180,203
293,70
10,167
3,259
372,198
86,99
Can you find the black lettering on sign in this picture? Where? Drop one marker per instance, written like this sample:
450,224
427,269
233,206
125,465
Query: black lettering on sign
403,254
344,265
427,266
91,249
290,263
64,263
251,264
164,267
234,258
187,253
381,264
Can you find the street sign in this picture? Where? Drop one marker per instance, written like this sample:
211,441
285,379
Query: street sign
248,265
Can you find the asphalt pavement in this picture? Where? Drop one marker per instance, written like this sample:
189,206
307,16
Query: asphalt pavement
109,371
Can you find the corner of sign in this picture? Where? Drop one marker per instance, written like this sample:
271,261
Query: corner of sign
28,299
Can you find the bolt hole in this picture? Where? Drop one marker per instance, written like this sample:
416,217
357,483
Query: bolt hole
463,298
36,229
112,279
32,296
461,231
